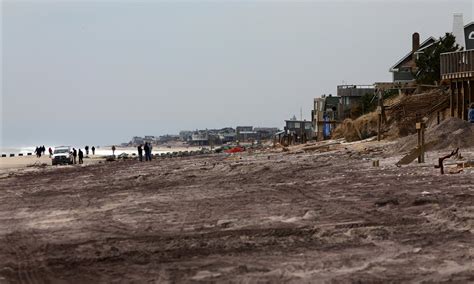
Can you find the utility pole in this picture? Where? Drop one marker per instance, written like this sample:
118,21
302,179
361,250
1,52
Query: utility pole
420,129
379,114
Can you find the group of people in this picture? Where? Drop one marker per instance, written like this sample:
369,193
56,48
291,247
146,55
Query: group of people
147,148
77,153
40,150
87,150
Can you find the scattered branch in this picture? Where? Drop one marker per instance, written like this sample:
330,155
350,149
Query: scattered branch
453,153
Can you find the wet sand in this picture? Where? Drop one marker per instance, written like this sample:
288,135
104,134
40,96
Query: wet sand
264,216
14,163
21,162
8,164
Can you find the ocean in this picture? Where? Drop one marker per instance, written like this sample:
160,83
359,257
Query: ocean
17,150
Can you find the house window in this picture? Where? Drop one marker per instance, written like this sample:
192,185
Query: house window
471,35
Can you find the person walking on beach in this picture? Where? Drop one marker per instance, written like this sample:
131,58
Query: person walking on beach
140,153
74,155
147,150
38,152
93,150
43,149
81,156
150,155
471,113
87,149
113,150
50,152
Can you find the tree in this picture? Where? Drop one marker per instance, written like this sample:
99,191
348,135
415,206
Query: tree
428,62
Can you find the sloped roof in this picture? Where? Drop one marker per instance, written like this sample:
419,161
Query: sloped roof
428,45
424,44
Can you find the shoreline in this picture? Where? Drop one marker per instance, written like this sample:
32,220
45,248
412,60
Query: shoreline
100,150
8,163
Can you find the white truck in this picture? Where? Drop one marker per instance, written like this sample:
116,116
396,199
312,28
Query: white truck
62,155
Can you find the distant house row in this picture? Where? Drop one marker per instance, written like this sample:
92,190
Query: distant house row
154,140
207,137
242,134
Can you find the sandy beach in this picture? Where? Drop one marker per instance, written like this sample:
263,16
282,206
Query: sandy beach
23,161
298,214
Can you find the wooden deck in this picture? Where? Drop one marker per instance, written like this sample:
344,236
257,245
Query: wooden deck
457,70
457,65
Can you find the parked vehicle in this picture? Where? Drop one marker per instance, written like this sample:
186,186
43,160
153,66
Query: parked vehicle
62,155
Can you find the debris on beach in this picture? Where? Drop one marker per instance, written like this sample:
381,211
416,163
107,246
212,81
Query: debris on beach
37,165
110,159
123,156
235,150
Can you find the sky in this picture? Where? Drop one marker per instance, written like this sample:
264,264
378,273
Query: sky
100,72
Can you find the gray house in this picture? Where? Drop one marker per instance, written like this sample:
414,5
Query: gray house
351,96
245,134
468,43
302,129
404,68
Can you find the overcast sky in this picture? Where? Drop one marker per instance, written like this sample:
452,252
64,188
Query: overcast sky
100,72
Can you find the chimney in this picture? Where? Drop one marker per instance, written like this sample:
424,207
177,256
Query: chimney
458,30
415,39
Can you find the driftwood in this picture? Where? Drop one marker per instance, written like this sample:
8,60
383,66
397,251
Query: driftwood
413,154
316,147
453,153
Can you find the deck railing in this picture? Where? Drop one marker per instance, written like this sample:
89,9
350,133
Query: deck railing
458,64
